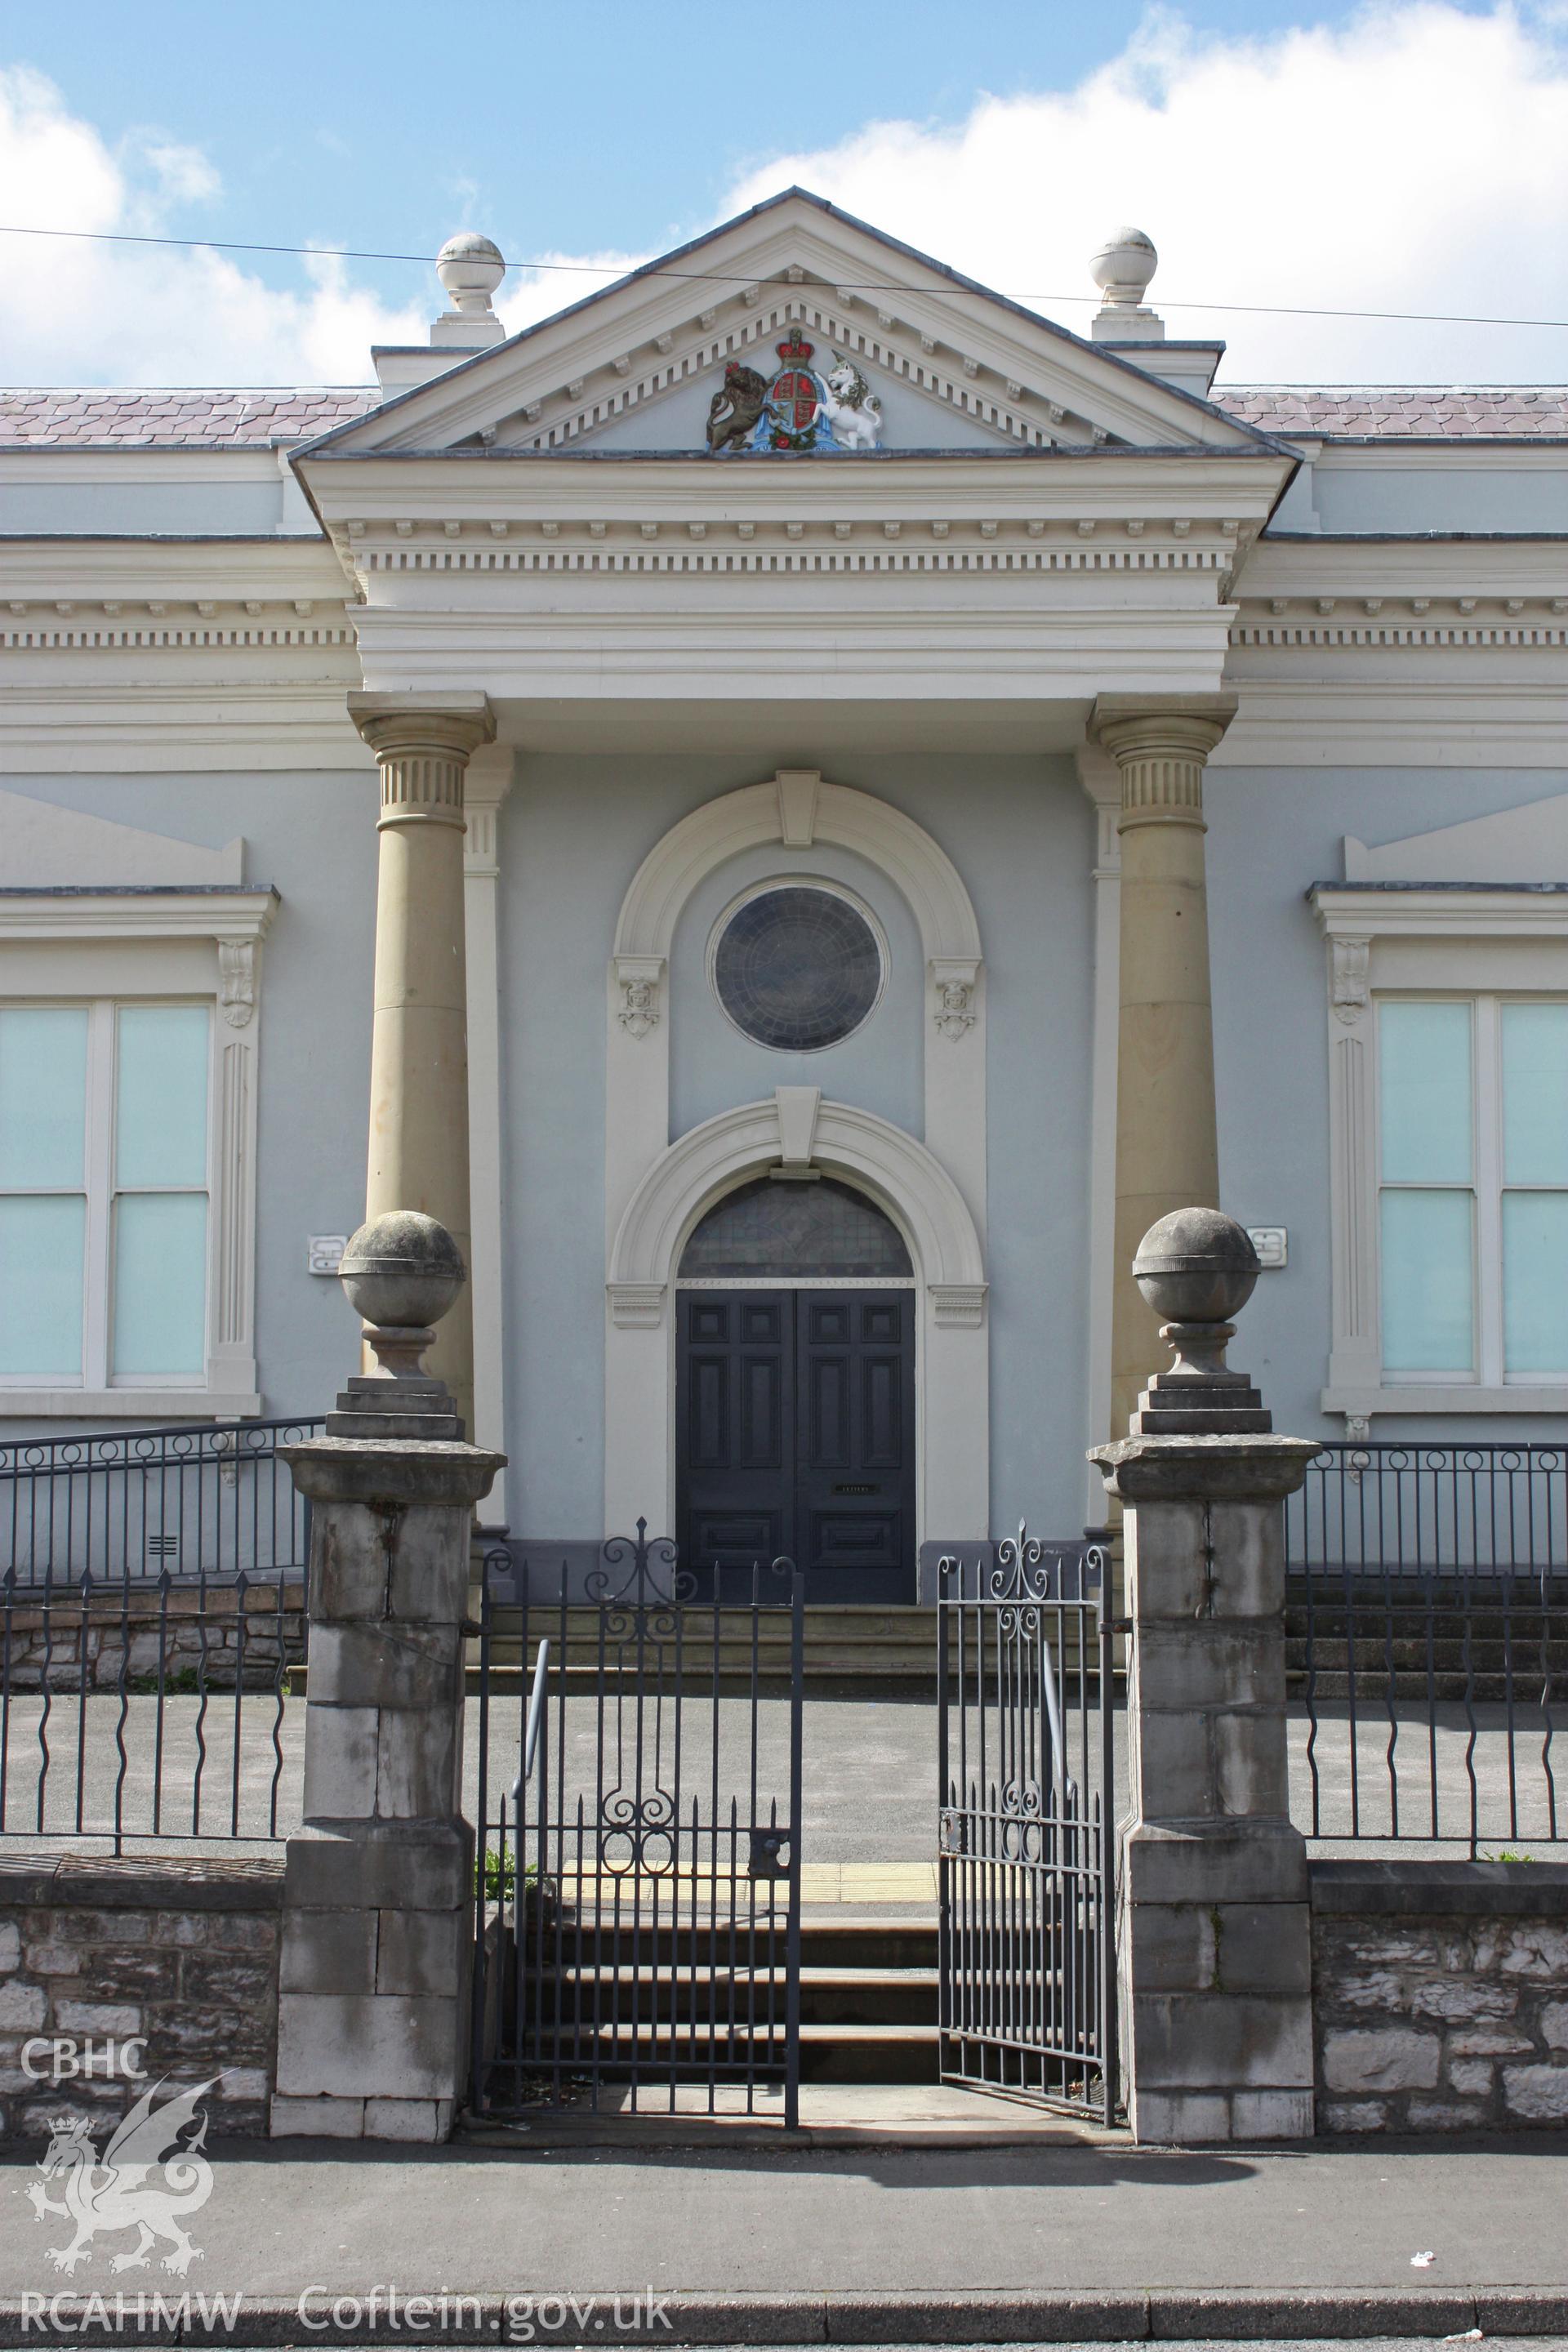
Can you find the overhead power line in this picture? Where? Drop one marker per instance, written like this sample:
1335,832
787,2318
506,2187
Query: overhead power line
749,278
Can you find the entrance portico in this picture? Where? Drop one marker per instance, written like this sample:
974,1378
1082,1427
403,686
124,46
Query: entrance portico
1035,558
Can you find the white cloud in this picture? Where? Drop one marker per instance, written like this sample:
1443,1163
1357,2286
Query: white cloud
578,276
82,314
1410,160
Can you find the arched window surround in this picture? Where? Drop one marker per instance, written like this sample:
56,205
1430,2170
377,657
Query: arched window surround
904,1179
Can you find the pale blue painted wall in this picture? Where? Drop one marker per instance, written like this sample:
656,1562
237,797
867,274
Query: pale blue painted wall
1271,835
1021,835
575,831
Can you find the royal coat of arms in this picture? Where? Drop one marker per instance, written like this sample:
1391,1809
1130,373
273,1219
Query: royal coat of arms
801,410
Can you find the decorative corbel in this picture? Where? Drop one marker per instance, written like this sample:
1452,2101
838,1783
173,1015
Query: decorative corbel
638,979
954,980
237,978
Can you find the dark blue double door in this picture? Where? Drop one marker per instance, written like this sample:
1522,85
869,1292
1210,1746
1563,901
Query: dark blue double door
796,1435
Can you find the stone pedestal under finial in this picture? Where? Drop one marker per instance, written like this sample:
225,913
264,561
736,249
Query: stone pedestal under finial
379,1882
1215,1942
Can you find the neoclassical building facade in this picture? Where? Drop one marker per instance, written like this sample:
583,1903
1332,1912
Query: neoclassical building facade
802,805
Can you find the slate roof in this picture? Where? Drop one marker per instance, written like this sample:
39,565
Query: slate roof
1402,412
235,420
174,420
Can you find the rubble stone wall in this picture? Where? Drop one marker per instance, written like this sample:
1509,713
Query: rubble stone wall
1440,1996
177,1958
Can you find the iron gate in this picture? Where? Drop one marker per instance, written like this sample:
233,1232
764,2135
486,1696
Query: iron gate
638,1876
1026,1956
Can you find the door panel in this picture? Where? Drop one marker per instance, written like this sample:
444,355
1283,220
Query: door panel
734,1436
795,1435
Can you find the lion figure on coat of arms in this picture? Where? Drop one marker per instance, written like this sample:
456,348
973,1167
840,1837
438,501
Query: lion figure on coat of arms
733,411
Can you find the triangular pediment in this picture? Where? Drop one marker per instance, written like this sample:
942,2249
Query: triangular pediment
635,369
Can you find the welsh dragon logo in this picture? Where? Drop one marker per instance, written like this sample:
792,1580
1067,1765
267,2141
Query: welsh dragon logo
102,2199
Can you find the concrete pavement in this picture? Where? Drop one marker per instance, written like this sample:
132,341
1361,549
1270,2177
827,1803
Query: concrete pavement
1074,2237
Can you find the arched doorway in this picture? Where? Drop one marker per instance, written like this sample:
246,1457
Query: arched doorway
796,1389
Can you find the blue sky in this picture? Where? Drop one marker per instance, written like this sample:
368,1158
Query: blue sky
569,127
1380,157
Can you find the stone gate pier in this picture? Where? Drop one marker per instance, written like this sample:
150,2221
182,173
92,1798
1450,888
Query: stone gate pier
379,1881
1214,1944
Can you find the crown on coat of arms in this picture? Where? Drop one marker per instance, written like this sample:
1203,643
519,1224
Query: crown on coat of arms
795,353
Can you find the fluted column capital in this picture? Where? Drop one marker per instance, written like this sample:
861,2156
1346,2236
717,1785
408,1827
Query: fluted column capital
1160,744
423,744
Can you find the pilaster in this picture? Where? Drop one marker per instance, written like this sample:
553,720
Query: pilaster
488,780
1101,780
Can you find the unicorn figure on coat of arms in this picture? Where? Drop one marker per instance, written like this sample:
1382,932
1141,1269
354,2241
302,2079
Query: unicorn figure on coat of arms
854,411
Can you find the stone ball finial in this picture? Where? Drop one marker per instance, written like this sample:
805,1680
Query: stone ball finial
1123,266
1196,1265
402,1271
470,268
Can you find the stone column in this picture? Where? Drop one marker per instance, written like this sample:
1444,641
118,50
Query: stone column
378,1911
418,1062
1167,1153
1214,1923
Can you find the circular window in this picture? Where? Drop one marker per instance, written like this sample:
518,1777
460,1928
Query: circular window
797,967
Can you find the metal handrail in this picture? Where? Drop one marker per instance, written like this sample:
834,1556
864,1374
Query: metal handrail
535,1719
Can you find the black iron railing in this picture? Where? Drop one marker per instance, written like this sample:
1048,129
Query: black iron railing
146,1709
1413,1511
1427,1644
1432,1706
211,1500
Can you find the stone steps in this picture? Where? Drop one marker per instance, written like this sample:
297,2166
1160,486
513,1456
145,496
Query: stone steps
868,2000
841,1642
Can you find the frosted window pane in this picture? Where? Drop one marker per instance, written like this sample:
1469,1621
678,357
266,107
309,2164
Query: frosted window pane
1424,1057
1535,1095
797,969
1428,1285
794,1231
161,1103
1535,1282
160,1285
41,1246
43,1096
